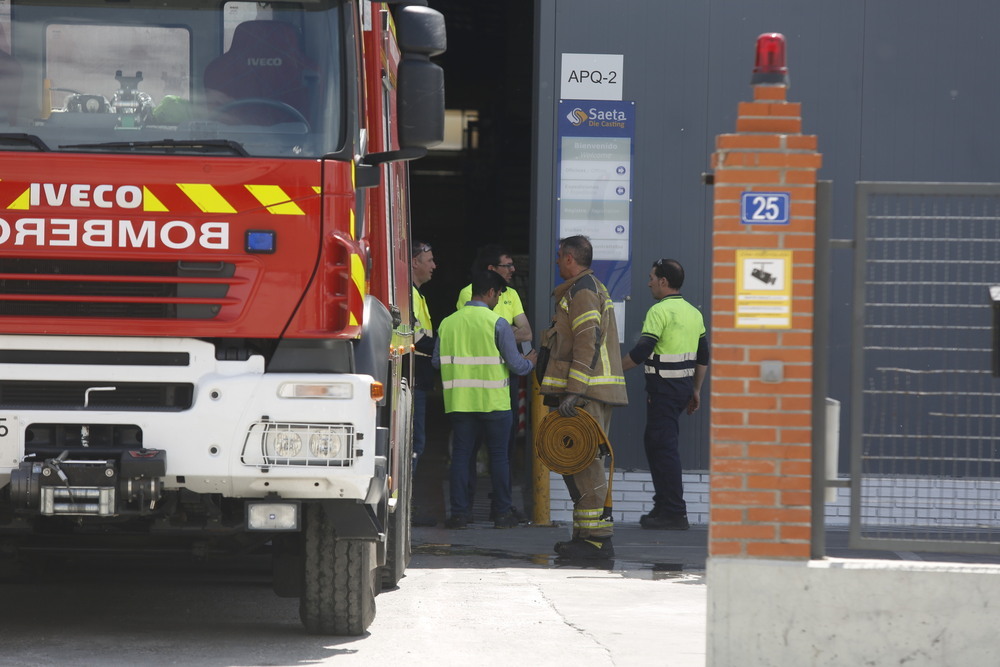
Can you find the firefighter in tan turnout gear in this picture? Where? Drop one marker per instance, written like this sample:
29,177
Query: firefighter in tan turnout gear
584,371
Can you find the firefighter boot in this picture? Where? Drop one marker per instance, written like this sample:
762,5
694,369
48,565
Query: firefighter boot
586,548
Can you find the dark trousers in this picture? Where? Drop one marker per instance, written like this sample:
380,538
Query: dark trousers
419,424
515,385
661,440
495,430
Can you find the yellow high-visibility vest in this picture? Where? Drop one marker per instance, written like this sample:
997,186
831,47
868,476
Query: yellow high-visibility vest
473,374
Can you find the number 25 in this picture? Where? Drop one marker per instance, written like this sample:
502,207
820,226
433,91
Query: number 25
766,208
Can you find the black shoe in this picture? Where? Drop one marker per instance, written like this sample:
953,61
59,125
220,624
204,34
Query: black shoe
513,510
580,548
506,520
664,521
456,522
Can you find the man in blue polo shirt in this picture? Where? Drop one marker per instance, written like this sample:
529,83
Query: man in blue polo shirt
673,349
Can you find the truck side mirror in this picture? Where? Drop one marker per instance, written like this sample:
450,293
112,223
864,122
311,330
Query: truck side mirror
420,93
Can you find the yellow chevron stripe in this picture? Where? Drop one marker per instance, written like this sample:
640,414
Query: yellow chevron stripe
150,202
22,203
206,197
275,199
318,189
358,278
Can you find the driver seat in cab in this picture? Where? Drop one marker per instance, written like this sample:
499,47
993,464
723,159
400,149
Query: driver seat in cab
264,78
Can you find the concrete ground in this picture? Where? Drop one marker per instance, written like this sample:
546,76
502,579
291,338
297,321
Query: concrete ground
655,593
648,606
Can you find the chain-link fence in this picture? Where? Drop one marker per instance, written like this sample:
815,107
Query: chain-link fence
926,415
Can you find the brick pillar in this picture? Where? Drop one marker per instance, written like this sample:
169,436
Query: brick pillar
761,431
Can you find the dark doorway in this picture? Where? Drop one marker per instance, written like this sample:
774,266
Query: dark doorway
480,193
477,190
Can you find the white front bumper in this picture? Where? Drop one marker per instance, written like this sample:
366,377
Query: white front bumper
207,445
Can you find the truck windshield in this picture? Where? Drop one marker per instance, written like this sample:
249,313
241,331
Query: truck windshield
186,77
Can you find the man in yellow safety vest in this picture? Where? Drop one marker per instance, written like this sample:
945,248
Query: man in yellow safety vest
422,267
495,257
476,353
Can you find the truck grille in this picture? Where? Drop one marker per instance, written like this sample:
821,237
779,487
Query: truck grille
114,289
50,395
46,440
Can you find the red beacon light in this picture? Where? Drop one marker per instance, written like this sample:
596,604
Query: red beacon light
770,63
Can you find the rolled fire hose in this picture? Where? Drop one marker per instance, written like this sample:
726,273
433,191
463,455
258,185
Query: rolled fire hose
568,445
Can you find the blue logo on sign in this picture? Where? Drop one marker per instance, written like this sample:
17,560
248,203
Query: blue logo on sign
577,116
764,208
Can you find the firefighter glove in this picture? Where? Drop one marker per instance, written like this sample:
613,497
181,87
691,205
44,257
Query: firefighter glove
568,406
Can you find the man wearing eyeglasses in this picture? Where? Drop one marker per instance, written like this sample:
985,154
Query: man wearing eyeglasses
673,348
496,258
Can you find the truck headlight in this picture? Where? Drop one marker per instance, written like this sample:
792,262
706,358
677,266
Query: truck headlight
300,444
325,445
287,444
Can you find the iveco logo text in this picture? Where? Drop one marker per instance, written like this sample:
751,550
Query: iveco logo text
264,62
85,196
70,233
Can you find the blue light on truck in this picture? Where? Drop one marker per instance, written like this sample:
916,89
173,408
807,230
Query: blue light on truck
264,242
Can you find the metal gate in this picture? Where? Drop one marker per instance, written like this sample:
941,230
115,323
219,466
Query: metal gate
925,415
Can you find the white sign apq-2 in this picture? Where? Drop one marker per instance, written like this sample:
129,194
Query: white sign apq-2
591,76
764,208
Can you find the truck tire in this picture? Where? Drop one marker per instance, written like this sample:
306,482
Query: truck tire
338,594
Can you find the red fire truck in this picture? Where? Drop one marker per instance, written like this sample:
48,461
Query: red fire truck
205,320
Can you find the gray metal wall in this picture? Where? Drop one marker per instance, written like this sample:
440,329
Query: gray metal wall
895,90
